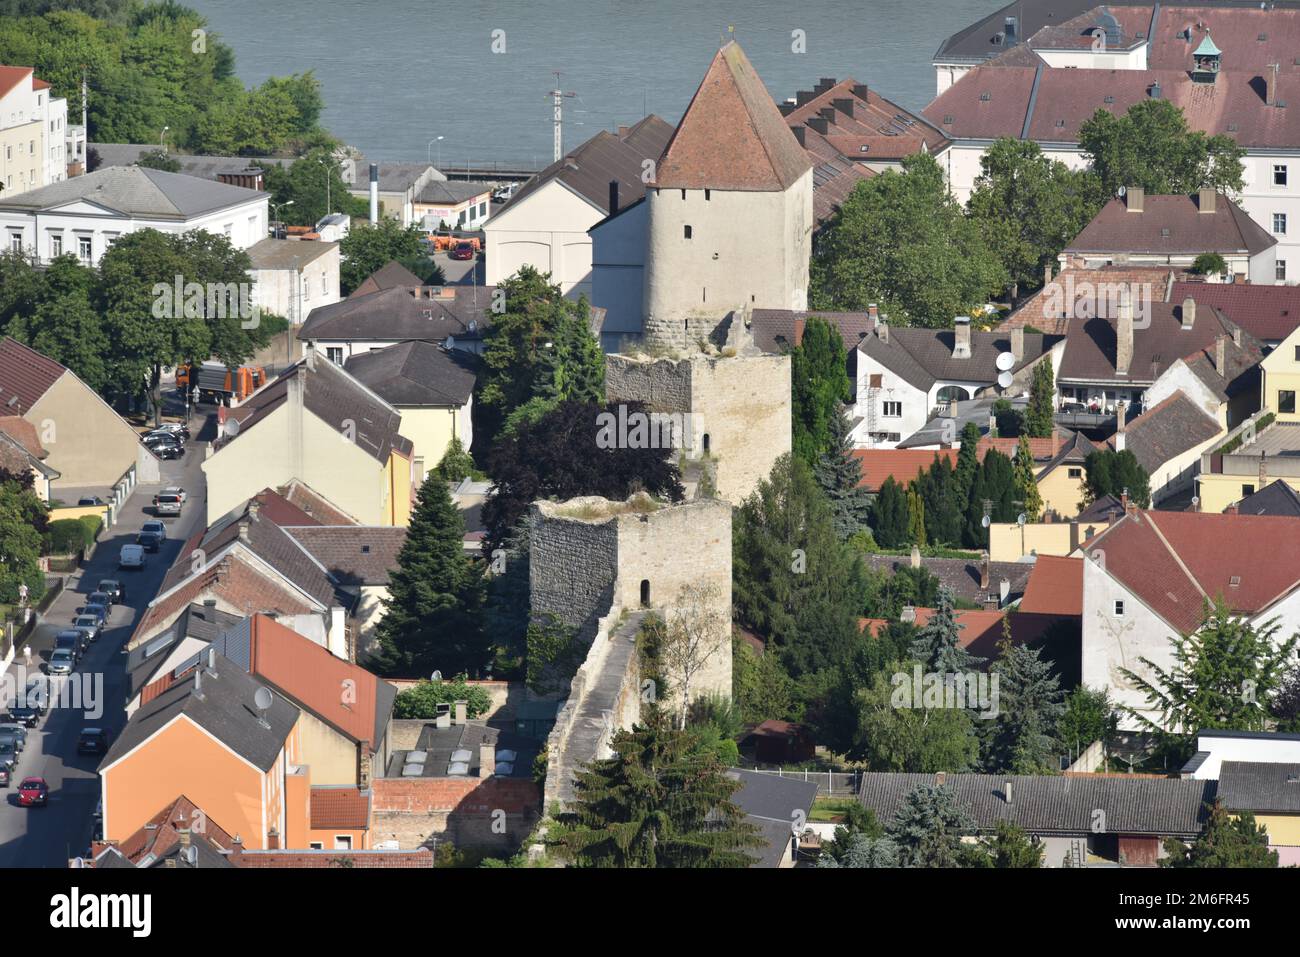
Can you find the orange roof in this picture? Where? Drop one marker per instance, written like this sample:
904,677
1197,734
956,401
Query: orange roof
24,433
335,807
901,464
980,630
1055,587
11,76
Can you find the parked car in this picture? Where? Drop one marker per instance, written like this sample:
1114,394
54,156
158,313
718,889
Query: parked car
92,741
90,626
167,452
61,662
33,792
8,752
4,776
18,731
131,556
150,540
462,251
98,607
155,526
37,694
164,504
25,714
90,500
73,641
179,429
177,491
113,589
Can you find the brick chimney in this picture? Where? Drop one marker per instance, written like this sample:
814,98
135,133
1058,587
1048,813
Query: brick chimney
273,840
984,570
487,759
961,337
1130,506
1221,355
1124,332
1189,312
183,836
1270,84
1205,199
799,134
916,557
1121,410
882,329
1018,343
1135,198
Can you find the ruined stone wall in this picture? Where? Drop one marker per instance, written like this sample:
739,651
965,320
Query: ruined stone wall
572,567
662,384
497,813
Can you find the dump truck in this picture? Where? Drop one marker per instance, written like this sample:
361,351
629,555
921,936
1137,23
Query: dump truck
218,384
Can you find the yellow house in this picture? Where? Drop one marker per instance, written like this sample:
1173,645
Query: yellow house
317,424
431,386
1062,481
1280,379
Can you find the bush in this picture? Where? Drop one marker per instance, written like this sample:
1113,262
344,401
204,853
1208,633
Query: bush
68,535
422,701
93,524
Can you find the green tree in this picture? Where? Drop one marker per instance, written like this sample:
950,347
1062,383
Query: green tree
928,827
915,517
456,464
1226,841
1113,473
23,518
1040,417
1029,207
1088,716
660,801
58,319
1209,264
1010,847
938,644
160,160
896,733
314,185
901,240
1028,708
862,850
1026,482
839,473
422,699
819,386
761,688
890,518
1151,146
943,506
433,613
367,248
966,471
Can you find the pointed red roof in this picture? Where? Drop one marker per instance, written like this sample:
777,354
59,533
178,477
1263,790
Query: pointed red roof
732,135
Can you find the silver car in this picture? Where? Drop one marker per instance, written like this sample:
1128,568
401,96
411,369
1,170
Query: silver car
61,662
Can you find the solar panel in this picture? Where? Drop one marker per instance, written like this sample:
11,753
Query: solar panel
461,754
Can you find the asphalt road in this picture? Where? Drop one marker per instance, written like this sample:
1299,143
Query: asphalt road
48,836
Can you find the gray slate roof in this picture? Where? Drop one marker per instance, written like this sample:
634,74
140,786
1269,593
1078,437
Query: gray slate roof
938,430
226,710
196,621
401,313
439,192
923,356
202,165
773,804
1257,786
352,554
415,373
1278,498
960,574
1058,804
1167,430
136,191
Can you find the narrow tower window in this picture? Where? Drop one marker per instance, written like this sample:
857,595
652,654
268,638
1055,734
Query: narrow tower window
645,593
686,231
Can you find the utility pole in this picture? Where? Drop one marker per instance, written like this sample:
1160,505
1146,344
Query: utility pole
557,98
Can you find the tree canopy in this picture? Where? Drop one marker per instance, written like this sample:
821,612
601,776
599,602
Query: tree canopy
819,383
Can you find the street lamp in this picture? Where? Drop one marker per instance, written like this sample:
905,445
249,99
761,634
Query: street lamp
429,148
162,138
275,209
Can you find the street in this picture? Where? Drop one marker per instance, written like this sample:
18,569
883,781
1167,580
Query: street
48,836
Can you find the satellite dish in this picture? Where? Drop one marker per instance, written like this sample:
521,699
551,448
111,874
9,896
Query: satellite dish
1004,380
262,698
1006,361
1022,518
985,521
436,676
190,855
232,427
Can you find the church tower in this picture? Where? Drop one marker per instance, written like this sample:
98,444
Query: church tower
730,210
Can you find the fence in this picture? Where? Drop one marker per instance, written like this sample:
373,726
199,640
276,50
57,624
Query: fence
829,783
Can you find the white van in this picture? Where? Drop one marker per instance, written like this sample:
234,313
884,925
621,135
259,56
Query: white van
132,556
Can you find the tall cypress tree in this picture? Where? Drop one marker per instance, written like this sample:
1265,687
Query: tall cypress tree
840,475
1040,415
432,617
662,800
1025,482
915,516
819,383
964,478
889,517
943,510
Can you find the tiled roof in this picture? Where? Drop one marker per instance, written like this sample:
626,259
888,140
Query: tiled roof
1102,510
773,804
24,434
1167,430
607,157
415,373
138,191
1269,313
334,397
961,575
1075,291
901,464
352,554
388,276
1175,561
158,837
922,356
1057,804
1055,587
442,192
1236,29
833,182
977,41
12,76
399,313
731,136
1172,225
311,502
775,330
225,709
274,507
1260,787
25,376
339,807
1278,498
858,117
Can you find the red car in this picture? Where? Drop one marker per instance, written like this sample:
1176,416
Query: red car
462,251
33,791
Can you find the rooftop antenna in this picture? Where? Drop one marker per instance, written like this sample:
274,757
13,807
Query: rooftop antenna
557,96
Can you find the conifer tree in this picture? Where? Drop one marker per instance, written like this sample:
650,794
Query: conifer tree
1026,484
889,515
1028,708
432,616
1040,416
1227,841
662,800
840,475
928,827
937,644
915,517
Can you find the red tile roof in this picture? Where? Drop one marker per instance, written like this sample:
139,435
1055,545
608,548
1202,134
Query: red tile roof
11,76
1266,312
903,464
24,433
1055,587
25,376
338,807
274,507
732,135
159,834
1174,561
980,631
1075,292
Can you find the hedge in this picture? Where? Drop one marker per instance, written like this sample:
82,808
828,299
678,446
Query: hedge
68,535
422,701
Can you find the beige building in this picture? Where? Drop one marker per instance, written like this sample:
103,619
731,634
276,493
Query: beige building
89,444
292,277
433,389
33,132
1280,379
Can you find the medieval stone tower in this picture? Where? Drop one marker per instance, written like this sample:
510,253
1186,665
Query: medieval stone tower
730,211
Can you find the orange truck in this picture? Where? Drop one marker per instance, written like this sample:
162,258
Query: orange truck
443,243
216,383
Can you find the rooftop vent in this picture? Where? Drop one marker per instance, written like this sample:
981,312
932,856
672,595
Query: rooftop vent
947,120
1234,581
1262,37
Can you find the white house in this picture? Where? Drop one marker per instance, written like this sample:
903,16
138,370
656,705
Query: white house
84,215
455,204
292,277
33,133
1148,575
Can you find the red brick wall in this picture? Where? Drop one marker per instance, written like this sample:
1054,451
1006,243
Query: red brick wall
463,795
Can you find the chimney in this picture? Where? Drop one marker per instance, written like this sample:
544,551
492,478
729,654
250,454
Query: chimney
961,337
613,196
828,114
1121,410
374,193
940,778
984,570
844,105
1134,198
1236,336
1006,792
1231,509
952,407
799,133
209,603
1220,355
273,840
183,836
1004,591
1018,342
1205,197
1189,312
487,759
908,614
916,556
860,90
1009,28
882,328
1270,85
243,531
1263,472
1124,332
254,508
461,706
1047,274
818,124
365,769
1130,506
